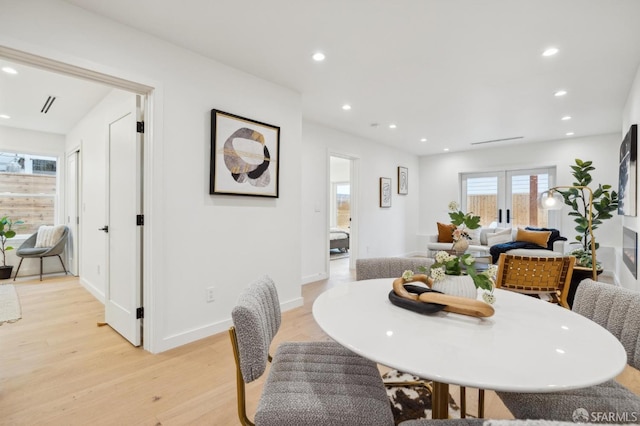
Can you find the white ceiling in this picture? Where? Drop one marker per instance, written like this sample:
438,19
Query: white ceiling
452,71
23,97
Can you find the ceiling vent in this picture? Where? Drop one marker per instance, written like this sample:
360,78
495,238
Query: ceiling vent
498,140
47,104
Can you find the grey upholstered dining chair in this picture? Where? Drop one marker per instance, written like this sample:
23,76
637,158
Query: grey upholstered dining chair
309,383
616,309
28,249
388,267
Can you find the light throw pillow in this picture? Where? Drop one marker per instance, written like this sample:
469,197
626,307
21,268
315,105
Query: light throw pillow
48,236
499,237
535,237
445,231
475,236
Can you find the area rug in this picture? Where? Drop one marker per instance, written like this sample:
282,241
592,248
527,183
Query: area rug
9,304
412,402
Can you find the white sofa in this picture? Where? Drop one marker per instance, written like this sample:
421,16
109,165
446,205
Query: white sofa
559,247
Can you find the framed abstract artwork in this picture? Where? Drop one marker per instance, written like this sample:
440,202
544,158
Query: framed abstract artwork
385,192
245,156
630,250
627,178
403,180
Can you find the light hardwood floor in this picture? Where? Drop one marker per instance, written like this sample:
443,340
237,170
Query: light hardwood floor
58,368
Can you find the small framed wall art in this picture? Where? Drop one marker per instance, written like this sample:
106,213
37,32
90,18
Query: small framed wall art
385,192
403,180
245,156
627,177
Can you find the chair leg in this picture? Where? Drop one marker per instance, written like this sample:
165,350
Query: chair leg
41,269
18,270
65,269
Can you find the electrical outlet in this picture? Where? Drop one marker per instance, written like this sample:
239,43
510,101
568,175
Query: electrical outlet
211,294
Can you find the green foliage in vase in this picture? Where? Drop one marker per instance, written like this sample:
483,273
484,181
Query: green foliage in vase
461,219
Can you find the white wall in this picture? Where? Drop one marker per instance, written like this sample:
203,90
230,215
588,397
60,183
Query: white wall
631,115
33,142
440,183
193,240
90,135
380,231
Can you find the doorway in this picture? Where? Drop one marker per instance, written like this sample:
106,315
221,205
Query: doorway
341,214
132,289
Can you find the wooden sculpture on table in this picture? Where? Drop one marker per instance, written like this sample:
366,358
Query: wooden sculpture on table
458,305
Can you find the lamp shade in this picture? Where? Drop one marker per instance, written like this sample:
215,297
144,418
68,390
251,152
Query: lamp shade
550,200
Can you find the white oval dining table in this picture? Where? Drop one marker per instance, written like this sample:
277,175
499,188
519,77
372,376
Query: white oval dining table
528,345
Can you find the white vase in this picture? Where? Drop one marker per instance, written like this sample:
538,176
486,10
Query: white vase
457,285
460,246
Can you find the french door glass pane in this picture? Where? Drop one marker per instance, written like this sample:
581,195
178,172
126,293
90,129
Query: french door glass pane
482,198
525,189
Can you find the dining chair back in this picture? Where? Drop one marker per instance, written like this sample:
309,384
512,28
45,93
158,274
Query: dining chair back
309,383
616,309
389,267
536,275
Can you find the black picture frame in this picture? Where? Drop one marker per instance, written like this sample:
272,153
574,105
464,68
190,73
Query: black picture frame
403,180
630,250
245,156
385,192
627,177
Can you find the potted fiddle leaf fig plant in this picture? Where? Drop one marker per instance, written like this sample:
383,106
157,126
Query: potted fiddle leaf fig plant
6,232
603,203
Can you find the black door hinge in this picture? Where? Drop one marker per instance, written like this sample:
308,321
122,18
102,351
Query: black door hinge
140,219
140,313
140,126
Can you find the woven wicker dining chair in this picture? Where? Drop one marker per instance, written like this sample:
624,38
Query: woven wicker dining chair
536,276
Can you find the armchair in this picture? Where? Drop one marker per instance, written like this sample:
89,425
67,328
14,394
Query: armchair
28,249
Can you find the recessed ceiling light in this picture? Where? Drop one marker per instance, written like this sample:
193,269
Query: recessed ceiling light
550,51
5,116
570,133
566,117
446,150
392,126
560,93
346,107
9,70
318,56
423,140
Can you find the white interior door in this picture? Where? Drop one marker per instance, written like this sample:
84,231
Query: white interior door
72,209
123,294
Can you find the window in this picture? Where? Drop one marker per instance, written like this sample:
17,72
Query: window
508,198
340,216
28,189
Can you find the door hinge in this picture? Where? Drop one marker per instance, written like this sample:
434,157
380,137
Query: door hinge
140,313
140,126
140,219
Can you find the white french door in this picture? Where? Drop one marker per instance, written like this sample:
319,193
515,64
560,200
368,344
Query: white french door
509,198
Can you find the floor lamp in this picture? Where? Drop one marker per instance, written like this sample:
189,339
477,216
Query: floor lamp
553,200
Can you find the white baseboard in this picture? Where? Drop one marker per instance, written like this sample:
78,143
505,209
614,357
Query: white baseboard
98,294
192,335
315,277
